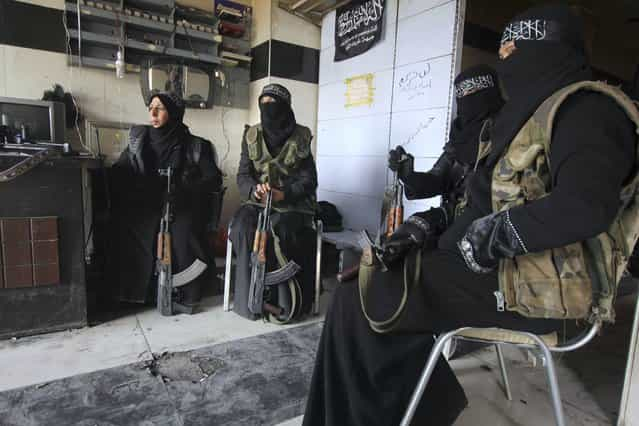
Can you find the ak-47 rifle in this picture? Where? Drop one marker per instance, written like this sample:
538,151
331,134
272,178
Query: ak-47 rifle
260,279
165,277
391,218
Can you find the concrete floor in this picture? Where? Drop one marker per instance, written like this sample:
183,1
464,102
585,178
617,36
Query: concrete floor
590,380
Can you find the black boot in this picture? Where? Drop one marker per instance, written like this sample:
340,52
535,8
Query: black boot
187,298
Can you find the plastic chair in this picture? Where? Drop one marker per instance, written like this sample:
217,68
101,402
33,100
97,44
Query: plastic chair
318,225
545,344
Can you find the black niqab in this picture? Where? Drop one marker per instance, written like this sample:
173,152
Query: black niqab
472,111
278,123
536,70
530,75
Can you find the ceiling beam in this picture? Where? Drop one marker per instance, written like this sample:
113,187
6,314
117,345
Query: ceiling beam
313,6
298,4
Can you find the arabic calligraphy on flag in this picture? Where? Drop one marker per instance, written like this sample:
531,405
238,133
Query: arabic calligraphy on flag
358,27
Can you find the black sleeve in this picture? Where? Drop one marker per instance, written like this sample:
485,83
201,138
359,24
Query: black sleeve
246,174
127,187
210,172
124,161
303,182
419,185
592,154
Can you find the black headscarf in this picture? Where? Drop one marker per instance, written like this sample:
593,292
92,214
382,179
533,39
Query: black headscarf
478,97
549,55
277,118
163,139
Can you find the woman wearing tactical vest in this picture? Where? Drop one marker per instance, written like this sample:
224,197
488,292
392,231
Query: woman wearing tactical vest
555,180
276,156
478,100
139,194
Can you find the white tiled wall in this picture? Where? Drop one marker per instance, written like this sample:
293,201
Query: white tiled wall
426,34
411,106
332,97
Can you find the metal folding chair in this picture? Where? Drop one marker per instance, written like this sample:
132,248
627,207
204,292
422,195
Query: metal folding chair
319,229
546,345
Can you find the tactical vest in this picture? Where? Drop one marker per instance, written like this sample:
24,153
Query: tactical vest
280,170
578,280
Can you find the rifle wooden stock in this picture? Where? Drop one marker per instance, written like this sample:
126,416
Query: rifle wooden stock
166,258
160,248
164,248
390,223
256,241
399,217
348,274
261,254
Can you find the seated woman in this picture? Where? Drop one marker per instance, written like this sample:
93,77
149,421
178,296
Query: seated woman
478,101
139,196
276,157
536,201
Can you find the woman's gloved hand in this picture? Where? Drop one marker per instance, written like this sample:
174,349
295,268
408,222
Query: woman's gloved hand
400,162
489,239
412,233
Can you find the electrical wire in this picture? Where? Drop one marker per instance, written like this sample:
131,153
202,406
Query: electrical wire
69,52
226,136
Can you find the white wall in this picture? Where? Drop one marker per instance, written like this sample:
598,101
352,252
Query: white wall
27,73
413,76
289,28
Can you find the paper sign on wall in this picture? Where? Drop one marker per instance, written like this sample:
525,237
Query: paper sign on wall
359,90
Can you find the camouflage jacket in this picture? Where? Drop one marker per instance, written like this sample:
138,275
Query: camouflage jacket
280,171
578,280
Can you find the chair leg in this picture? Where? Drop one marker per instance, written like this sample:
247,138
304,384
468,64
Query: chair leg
554,387
227,273
425,376
318,266
551,374
504,373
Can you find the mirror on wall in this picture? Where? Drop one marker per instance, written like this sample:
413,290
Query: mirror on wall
193,82
107,139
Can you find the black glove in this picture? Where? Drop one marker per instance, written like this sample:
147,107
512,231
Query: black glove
401,162
489,239
411,233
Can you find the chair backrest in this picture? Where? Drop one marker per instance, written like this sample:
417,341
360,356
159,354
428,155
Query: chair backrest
580,340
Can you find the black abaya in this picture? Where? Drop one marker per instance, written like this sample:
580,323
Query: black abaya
365,378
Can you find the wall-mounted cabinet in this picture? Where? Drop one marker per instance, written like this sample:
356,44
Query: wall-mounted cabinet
144,29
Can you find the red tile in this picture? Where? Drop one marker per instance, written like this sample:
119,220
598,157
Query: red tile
15,230
17,254
46,274
44,228
45,252
19,276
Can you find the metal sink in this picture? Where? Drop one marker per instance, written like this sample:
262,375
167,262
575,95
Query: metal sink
16,160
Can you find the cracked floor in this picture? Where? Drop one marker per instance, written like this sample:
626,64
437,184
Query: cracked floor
215,368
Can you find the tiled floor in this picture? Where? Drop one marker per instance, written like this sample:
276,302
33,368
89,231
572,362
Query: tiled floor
590,379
